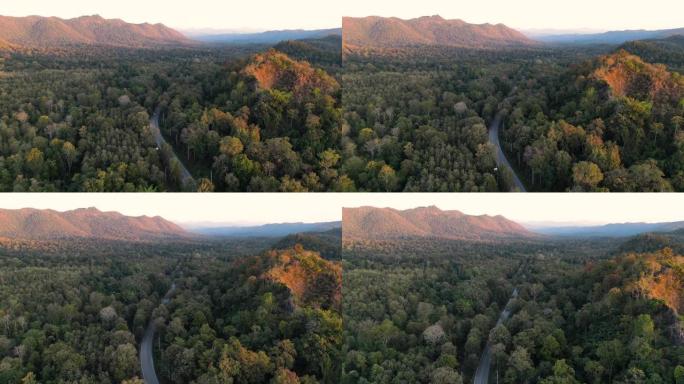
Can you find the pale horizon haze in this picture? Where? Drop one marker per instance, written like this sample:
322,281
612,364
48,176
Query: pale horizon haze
262,208
580,15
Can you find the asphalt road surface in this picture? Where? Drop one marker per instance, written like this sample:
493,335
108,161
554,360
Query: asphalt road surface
146,355
501,160
482,373
186,177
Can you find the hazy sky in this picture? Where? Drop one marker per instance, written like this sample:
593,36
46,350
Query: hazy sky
311,14
255,208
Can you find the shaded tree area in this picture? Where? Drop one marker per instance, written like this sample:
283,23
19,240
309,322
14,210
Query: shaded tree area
325,52
68,126
326,243
668,51
73,312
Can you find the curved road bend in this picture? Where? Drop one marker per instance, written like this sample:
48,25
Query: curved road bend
186,177
501,159
146,355
482,373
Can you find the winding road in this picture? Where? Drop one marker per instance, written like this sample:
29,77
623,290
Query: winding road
501,160
146,354
482,373
186,177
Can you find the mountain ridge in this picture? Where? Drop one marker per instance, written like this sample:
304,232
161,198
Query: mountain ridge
393,32
609,37
48,224
371,223
51,32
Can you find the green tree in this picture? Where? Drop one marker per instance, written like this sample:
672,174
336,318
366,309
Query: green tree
446,375
124,362
679,374
586,175
562,374
521,363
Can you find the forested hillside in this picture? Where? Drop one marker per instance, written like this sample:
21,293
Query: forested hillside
268,124
270,318
614,321
669,51
326,51
612,123
73,312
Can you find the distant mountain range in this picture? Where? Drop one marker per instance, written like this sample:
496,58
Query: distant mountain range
611,230
47,224
35,224
611,37
51,32
268,37
383,32
369,223
267,230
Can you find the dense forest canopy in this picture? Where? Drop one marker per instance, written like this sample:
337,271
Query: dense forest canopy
313,115
76,311
416,119
575,117
79,119
583,311
418,124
